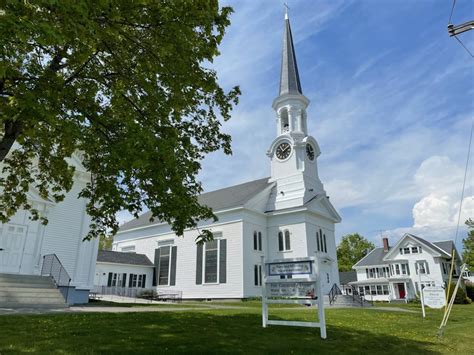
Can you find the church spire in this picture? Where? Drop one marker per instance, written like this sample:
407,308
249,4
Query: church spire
289,77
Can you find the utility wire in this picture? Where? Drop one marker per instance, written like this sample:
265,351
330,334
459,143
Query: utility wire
462,44
452,11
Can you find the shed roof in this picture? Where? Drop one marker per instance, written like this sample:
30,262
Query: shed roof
347,276
116,257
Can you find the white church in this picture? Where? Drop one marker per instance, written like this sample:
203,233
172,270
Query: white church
286,215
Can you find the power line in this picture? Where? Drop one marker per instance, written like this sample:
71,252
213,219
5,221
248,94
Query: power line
462,44
452,10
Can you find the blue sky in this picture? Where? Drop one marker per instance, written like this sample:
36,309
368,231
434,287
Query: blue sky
391,107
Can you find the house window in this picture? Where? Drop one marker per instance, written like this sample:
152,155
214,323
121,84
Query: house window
257,271
422,267
414,250
443,265
210,261
367,272
260,241
385,289
367,290
361,290
405,270
373,290
406,250
397,269
371,274
284,241
132,280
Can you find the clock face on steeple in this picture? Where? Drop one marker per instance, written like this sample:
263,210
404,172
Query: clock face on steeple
283,151
310,151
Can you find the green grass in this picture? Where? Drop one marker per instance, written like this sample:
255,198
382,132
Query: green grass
239,330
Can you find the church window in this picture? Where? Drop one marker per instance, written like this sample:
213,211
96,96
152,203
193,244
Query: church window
211,262
260,241
165,265
284,241
317,242
324,240
285,123
257,275
255,241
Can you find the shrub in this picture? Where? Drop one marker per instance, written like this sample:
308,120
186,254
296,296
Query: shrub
470,290
461,297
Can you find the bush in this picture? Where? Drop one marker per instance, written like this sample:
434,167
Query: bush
461,297
470,290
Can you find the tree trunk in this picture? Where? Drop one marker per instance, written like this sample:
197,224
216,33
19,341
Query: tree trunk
12,131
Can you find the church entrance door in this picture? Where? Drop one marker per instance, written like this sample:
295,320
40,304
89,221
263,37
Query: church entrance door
12,243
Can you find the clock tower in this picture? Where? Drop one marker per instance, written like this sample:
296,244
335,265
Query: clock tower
293,152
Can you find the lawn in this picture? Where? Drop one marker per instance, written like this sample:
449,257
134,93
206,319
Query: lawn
239,330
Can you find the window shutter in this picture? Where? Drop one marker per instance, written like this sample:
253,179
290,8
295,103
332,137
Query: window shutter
124,280
157,266
280,241
144,281
174,251
427,270
222,261
109,280
130,280
199,264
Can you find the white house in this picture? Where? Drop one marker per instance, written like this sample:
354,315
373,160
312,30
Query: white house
27,246
394,273
287,215
124,270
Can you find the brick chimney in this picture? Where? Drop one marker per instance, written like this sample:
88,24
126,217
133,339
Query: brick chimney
385,244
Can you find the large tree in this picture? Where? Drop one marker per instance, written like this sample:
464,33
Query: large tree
125,83
468,246
352,248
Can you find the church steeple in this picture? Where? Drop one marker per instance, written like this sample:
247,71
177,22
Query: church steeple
289,77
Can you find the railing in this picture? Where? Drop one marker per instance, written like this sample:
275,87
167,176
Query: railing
333,294
136,292
52,267
356,297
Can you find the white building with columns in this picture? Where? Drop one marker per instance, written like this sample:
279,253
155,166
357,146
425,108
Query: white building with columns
24,243
286,215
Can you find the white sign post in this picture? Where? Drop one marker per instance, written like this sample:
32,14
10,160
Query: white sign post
305,288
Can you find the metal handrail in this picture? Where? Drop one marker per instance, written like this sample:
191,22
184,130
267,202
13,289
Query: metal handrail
333,294
356,296
53,267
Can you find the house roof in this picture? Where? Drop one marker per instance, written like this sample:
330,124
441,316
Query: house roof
347,276
115,257
446,245
375,257
218,200
433,245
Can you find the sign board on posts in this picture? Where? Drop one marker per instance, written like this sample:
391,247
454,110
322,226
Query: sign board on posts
434,296
290,268
304,288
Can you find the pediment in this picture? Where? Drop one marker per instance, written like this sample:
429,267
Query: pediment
321,205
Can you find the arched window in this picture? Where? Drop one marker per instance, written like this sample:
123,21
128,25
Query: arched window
284,121
284,241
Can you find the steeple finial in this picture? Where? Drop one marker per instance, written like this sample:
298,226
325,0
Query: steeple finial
286,10
289,78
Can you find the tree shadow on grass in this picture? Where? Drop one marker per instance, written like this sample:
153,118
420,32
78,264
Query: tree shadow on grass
188,332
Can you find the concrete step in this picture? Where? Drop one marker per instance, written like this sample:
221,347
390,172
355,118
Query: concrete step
20,299
4,291
45,285
22,278
33,306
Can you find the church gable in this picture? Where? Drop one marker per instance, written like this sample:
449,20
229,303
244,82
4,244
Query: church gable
321,205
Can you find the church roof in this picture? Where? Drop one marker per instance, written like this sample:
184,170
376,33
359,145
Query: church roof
115,257
289,77
218,200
